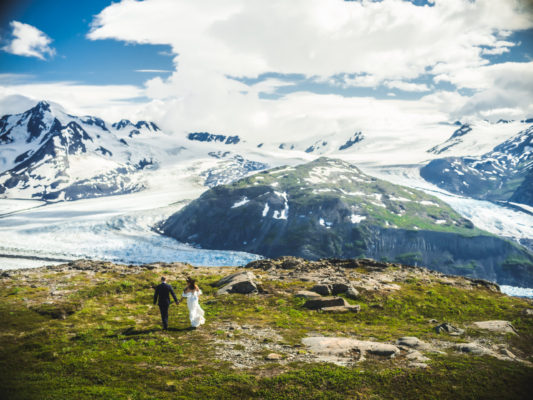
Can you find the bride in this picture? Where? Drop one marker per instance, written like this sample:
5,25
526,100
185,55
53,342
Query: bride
191,292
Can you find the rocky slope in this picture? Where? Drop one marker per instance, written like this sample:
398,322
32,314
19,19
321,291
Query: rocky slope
88,330
329,208
496,175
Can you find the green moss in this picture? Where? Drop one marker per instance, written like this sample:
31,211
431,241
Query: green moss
409,258
514,262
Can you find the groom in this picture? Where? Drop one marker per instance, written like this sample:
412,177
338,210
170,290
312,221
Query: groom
163,292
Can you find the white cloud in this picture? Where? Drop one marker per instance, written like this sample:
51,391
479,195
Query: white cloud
29,41
152,70
407,86
383,44
366,44
498,88
389,40
109,101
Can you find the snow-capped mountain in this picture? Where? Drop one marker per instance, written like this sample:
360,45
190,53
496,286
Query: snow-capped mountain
133,129
48,154
496,175
454,140
477,137
327,144
209,137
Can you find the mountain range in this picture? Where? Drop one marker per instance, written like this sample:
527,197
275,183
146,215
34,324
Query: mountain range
298,205
48,154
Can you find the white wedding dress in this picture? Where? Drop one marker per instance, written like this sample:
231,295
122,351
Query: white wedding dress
196,314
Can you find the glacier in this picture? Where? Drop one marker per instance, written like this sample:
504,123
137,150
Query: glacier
117,229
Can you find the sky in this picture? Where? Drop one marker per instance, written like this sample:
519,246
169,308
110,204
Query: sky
254,68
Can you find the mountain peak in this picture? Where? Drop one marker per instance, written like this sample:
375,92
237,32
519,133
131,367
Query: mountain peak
42,105
121,124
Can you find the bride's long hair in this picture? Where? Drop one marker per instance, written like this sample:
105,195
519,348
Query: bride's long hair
191,284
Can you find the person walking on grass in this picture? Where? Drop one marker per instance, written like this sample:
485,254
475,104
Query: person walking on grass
196,314
162,293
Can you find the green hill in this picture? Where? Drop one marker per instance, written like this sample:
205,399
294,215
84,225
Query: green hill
329,208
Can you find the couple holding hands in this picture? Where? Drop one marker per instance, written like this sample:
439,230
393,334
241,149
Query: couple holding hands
191,292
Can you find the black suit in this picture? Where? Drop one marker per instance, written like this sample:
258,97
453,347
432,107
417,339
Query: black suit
163,292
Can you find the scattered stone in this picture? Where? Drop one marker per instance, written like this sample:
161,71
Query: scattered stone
323,290
495,326
307,294
274,357
449,329
416,356
241,282
317,304
352,293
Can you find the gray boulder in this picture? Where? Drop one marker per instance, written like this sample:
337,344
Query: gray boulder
241,282
323,290
352,293
338,288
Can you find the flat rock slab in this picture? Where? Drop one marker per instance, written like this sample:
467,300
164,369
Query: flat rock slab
341,309
306,294
342,350
323,302
495,326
